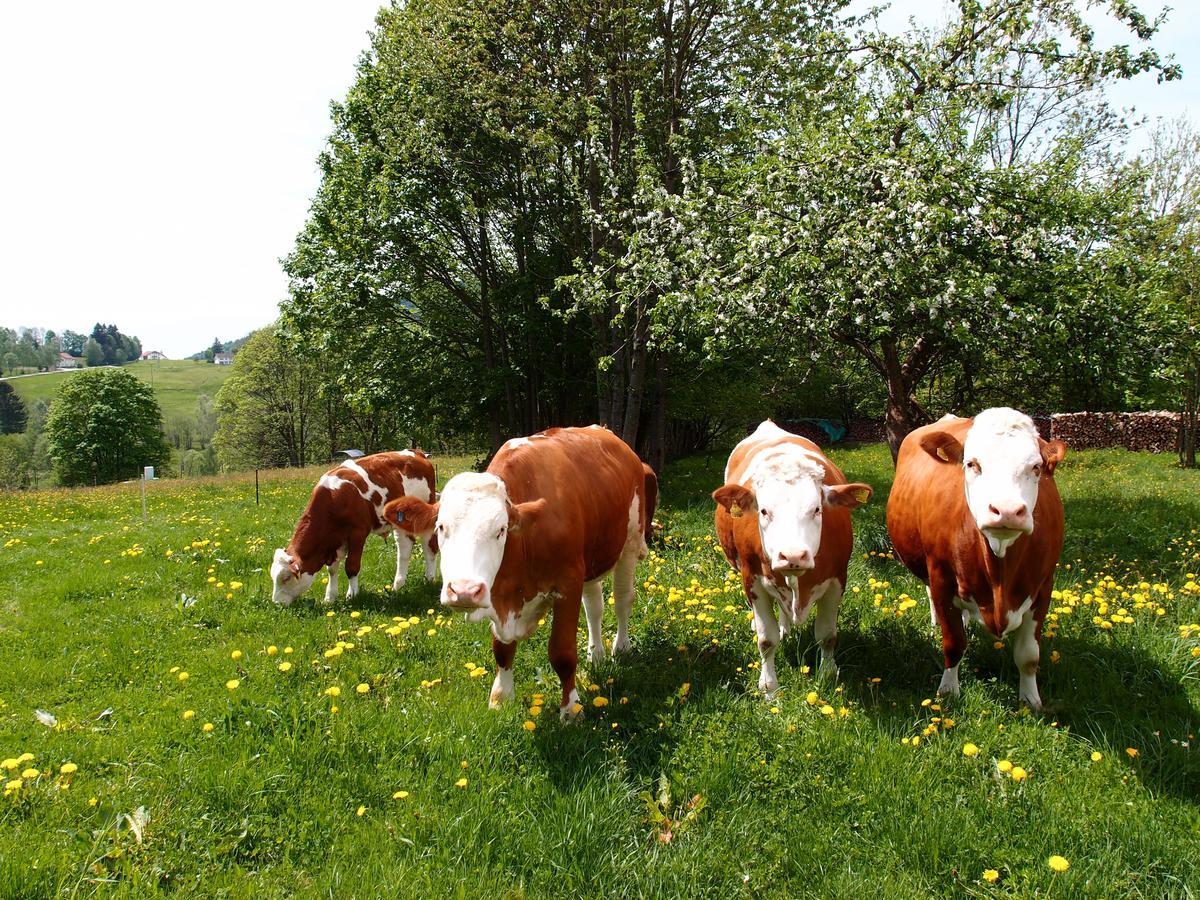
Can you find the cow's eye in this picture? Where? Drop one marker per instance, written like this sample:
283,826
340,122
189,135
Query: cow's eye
816,513
974,466
1037,469
765,513
501,533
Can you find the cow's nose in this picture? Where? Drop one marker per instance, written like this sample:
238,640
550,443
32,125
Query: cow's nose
795,559
1008,516
464,593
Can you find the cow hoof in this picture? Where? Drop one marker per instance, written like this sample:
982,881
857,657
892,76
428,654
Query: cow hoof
570,710
596,654
397,584
621,645
828,670
769,689
949,683
328,599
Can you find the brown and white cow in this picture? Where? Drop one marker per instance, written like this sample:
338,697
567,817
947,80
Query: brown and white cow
783,520
975,513
345,508
552,515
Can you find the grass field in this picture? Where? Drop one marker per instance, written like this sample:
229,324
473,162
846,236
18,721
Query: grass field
350,752
177,383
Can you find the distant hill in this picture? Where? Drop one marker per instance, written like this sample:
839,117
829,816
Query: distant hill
226,347
177,383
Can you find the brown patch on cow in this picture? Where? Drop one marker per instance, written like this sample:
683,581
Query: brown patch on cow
411,515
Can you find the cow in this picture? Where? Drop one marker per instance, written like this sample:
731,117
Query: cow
783,520
536,532
974,513
345,508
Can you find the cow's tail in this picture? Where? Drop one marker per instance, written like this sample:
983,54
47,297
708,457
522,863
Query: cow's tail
651,504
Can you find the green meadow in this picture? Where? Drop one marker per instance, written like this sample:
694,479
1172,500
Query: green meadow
207,743
176,382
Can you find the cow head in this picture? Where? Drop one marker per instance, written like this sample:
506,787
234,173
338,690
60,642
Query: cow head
473,521
288,579
1003,461
787,495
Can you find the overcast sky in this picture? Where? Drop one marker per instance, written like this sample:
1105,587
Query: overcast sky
158,158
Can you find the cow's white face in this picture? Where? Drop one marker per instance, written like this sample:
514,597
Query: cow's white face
790,509
288,584
1002,468
472,531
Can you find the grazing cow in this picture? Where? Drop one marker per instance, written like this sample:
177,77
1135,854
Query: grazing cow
783,520
346,507
552,515
974,513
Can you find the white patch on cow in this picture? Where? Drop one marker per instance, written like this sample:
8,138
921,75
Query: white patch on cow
405,453
1017,616
1026,654
430,557
286,585
502,688
949,417
932,611
767,629
567,712
331,482
516,443
416,487
593,607
472,527
352,588
624,573
788,483
404,548
1002,464
375,495
525,622
949,682
970,610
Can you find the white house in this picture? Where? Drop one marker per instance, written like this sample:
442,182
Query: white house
67,361
154,354
223,359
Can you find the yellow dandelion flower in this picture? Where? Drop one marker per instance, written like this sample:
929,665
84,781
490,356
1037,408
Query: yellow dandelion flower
360,810
68,768
1097,756
285,666
991,876
188,715
235,655
1004,766
971,750
363,688
333,691
208,726
461,783
399,795
827,710
1131,752
30,773
232,684
529,725
1058,863
183,676
1017,774
600,701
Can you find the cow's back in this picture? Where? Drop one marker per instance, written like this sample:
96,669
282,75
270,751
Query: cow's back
593,485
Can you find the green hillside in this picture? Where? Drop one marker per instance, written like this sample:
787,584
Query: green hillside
176,383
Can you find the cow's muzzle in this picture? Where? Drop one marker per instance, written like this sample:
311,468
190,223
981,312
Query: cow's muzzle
464,593
793,562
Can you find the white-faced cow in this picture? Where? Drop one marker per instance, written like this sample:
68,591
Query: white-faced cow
783,520
345,508
974,513
552,515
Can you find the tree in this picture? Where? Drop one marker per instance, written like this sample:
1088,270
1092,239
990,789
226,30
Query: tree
13,414
93,353
72,342
268,408
104,425
883,219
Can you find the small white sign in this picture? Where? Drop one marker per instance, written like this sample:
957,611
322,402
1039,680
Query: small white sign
148,472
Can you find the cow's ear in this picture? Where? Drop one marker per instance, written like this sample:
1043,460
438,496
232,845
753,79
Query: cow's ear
523,515
736,499
851,496
411,515
943,446
1053,453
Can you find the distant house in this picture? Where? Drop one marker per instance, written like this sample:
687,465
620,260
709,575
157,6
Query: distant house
67,361
154,354
223,359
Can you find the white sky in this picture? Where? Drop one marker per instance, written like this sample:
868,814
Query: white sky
158,159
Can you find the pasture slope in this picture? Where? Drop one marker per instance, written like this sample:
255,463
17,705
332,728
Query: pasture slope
349,751
176,382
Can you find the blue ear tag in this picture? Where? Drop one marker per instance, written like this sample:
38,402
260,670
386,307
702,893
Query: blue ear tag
400,516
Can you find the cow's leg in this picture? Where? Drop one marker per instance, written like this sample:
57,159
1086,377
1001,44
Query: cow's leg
332,587
404,548
430,556
593,608
623,597
825,627
353,566
564,654
954,636
788,603
767,629
502,686
932,608
1027,652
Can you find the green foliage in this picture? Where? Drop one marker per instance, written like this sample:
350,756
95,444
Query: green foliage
796,803
104,426
116,348
13,415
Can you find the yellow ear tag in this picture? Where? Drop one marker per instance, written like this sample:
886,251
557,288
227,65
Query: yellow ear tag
862,495
735,510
